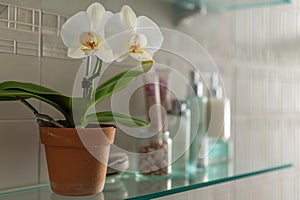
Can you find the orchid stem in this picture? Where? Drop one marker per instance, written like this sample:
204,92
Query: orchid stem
97,69
88,64
95,74
39,115
85,83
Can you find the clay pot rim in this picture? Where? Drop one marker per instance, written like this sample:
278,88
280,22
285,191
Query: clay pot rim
90,126
77,137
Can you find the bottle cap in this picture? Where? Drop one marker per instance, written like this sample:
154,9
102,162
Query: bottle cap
198,89
196,83
217,92
178,107
215,88
195,77
214,80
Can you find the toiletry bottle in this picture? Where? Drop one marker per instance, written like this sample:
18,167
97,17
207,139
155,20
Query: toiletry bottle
155,144
164,79
197,103
179,127
218,115
155,154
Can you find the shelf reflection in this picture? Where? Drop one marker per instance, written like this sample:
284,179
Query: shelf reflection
134,186
99,196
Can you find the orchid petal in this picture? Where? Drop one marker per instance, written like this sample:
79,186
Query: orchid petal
95,12
122,57
129,16
105,17
118,35
104,54
119,44
148,28
146,55
73,27
115,25
76,53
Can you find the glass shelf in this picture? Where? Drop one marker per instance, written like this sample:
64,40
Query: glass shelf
186,8
227,4
131,186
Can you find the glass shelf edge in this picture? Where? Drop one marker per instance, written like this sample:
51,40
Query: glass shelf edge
209,183
24,189
256,5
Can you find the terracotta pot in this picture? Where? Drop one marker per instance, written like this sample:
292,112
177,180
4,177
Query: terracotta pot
77,158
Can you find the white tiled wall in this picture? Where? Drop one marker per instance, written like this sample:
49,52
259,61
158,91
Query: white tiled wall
19,153
256,51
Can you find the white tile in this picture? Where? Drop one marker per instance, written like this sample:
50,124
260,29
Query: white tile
274,145
242,189
288,96
18,68
297,185
223,191
53,45
18,154
203,193
241,145
59,75
21,34
257,142
274,91
28,3
50,20
288,141
258,187
297,142
242,92
273,190
179,196
297,93
258,90
43,170
288,178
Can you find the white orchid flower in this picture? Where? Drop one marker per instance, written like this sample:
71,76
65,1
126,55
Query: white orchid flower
127,35
83,33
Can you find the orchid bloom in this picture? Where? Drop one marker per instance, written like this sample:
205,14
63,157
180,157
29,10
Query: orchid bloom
127,35
83,33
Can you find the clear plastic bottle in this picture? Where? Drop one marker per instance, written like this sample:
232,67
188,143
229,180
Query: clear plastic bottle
197,103
219,143
179,127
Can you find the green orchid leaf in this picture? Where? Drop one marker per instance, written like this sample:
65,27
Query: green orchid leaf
12,89
108,116
7,98
115,84
14,95
111,86
80,107
38,90
11,95
34,88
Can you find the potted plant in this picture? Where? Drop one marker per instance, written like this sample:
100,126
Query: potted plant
76,147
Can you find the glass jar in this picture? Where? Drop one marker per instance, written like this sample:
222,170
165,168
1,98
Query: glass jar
155,154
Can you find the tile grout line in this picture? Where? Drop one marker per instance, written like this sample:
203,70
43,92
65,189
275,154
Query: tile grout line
40,104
